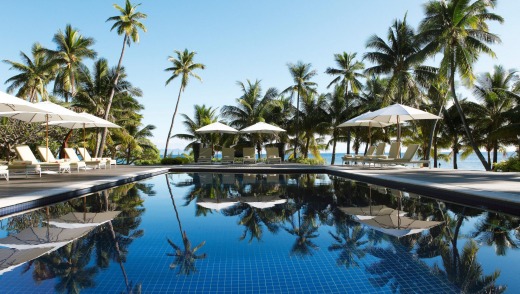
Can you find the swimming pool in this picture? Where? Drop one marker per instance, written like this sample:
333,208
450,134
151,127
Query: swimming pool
220,233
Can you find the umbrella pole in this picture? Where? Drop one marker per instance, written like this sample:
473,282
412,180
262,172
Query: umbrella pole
369,135
398,138
47,137
84,138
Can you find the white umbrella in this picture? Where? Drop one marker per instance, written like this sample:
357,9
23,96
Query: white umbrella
216,204
262,202
48,112
12,258
362,121
263,128
10,104
216,127
83,219
94,122
38,237
397,225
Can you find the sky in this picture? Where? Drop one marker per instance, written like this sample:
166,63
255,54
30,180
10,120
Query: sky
235,39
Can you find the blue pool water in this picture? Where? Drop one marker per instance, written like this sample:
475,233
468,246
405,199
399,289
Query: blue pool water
266,234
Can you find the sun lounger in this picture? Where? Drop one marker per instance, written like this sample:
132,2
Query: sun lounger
352,158
103,161
272,155
205,155
27,156
228,155
407,157
379,152
4,172
47,155
249,154
75,161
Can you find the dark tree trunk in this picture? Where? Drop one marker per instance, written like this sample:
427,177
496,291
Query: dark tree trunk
65,144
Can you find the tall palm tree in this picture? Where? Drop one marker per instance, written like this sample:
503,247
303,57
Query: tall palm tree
72,49
127,24
302,75
313,121
494,91
183,66
459,29
349,75
34,75
337,113
399,59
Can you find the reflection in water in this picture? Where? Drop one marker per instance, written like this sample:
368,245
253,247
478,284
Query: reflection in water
278,217
79,238
186,257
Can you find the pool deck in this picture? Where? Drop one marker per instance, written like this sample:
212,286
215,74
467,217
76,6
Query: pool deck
501,191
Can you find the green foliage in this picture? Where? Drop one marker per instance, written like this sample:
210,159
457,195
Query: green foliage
147,162
510,165
309,161
176,160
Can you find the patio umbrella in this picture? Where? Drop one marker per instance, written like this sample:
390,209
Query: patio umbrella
362,121
94,122
217,204
48,112
12,258
38,237
83,219
10,104
398,113
372,211
397,225
262,128
262,202
216,127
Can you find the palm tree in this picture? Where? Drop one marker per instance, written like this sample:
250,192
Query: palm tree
183,66
302,75
203,115
494,91
312,122
459,29
71,49
127,24
399,59
34,75
349,75
337,112
251,107
497,229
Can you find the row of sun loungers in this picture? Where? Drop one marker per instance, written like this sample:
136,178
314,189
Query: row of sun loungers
249,156
28,164
375,155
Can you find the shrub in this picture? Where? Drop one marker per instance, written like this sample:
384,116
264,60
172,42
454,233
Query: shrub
309,161
174,160
147,162
512,164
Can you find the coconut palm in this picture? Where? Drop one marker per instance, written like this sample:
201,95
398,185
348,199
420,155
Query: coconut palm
498,230
349,244
313,122
203,115
348,74
399,59
183,66
494,91
251,107
302,75
72,49
34,75
459,29
337,112
127,24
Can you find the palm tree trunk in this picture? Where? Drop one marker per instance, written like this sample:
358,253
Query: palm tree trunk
495,151
463,119
111,97
333,147
455,152
348,129
65,144
432,134
435,152
297,123
307,143
173,120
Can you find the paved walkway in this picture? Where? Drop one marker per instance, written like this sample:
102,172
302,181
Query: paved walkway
498,190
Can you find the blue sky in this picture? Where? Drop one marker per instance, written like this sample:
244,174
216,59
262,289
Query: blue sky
236,40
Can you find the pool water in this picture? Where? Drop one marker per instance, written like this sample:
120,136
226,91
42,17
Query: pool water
221,233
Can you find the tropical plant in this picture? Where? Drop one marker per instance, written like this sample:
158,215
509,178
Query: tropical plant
127,24
183,66
34,75
312,122
347,75
302,75
337,112
72,49
202,116
459,29
494,91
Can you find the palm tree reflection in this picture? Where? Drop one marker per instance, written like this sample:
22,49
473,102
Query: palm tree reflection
498,229
349,243
186,257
